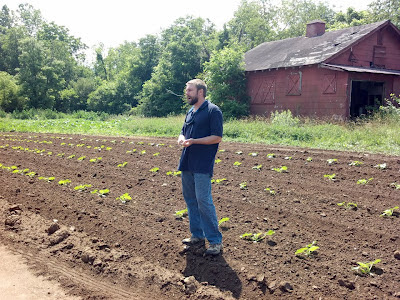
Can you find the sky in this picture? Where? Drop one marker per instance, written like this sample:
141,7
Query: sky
116,21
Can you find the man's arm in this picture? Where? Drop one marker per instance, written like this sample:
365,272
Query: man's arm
208,140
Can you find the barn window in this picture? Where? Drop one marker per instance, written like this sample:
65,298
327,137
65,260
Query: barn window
329,84
379,56
262,90
294,84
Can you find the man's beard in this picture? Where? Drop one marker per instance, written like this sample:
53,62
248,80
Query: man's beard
193,101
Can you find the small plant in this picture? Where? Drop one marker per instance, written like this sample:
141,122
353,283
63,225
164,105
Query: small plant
356,163
365,268
381,166
330,177
124,198
271,155
81,158
243,186
131,151
348,205
143,152
31,174
60,154
332,161
122,165
288,157
64,182
217,161
282,169
218,181
71,156
271,192
48,179
307,250
223,220
364,181
239,152
180,214
253,154
82,187
256,237
174,173
395,185
237,163
101,193
221,150
389,212
309,159
156,154
154,170
258,167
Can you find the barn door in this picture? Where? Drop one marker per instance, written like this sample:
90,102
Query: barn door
365,97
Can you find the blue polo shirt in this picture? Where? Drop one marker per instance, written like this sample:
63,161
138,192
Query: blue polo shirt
206,121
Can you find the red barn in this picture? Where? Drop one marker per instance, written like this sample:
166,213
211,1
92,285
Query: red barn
337,74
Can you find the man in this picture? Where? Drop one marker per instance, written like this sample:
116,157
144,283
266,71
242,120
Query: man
201,133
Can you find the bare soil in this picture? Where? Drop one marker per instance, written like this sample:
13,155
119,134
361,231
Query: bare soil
100,248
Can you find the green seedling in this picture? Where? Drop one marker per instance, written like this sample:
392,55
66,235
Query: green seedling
71,156
17,171
256,237
64,182
253,154
48,179
101,193
223,220
140,143
381,166
356,163
243,186
365,268
122,165
217,161
309,159
307,250
288,157
272,192
82,187
271,155
221,150
395,185
81,158
389,212
239,152
348,205
258,167
60,154
124,198
131,151
108,148
143,152
218,181
14,167
174,173
332,161
237,164
156,154
49,153
364,181
330,177
180,214
282,169
31,174
154,170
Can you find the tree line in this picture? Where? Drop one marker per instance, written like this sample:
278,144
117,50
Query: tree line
42,66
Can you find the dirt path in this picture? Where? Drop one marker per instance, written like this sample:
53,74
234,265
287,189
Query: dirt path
18,281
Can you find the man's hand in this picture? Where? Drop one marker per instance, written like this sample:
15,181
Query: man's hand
208,140
181,139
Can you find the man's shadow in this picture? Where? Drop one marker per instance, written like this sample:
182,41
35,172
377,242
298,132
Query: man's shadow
212,269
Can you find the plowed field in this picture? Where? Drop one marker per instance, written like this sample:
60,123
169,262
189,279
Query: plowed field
101,248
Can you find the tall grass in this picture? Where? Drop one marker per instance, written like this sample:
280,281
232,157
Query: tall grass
378,134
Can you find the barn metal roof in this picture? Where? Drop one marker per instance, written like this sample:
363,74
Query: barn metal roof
360,69
302,50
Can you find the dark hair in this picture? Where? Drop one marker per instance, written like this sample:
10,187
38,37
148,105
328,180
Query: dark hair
200,85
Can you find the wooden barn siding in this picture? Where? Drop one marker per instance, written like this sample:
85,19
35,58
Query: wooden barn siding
311,102
363,52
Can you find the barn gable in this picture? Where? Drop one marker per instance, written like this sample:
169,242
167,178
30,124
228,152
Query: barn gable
338,73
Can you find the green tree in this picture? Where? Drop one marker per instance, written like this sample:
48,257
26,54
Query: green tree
10,98
187,44
226,80
385,9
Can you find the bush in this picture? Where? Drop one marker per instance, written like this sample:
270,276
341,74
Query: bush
389,111
284,118
3,114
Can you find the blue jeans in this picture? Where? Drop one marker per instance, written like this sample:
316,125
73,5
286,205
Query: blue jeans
203,222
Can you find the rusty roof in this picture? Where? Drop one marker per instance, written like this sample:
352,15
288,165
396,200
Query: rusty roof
300,51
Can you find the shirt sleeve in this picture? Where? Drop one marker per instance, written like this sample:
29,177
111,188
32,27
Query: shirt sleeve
216,122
